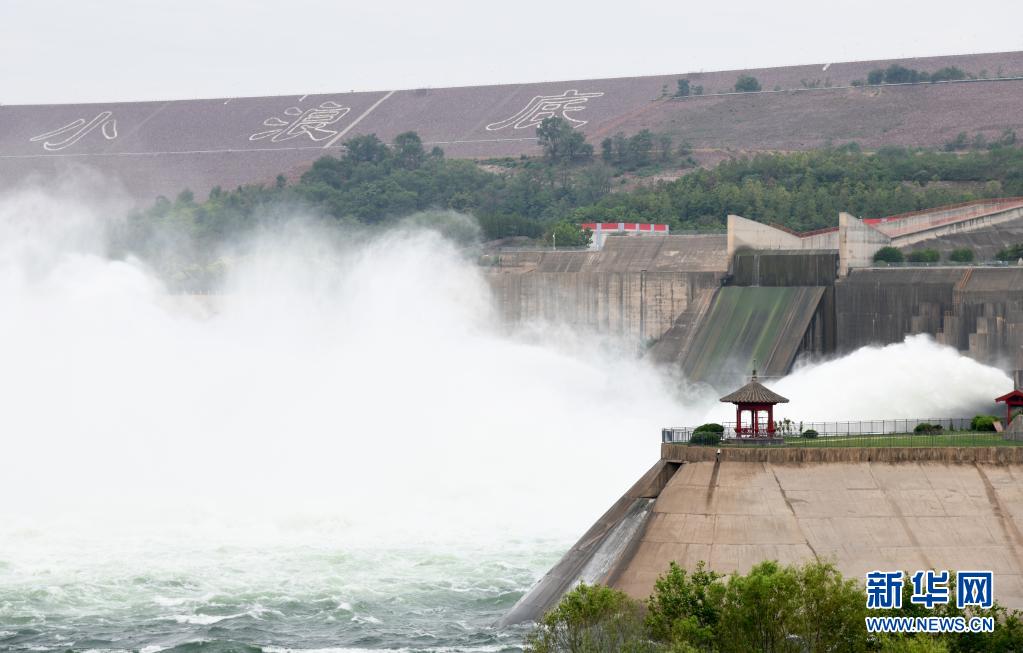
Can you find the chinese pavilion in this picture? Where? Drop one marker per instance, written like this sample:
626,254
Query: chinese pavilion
1012,401
754,399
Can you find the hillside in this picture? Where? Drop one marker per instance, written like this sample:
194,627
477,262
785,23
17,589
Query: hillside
162,147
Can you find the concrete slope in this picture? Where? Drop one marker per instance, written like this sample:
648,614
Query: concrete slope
747,323
162,147
862,515
599,550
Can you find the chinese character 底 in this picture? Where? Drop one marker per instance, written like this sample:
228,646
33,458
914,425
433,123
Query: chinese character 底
547,106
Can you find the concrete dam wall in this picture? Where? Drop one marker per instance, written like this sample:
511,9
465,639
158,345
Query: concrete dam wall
976,310
636,287
864,509
710,322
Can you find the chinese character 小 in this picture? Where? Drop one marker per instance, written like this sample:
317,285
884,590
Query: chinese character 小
75,130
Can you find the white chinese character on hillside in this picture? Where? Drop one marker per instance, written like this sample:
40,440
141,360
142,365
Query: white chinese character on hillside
76,130
311,122
547,106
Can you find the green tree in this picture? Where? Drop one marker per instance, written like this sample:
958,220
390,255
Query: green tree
962,255
875,77
924,256
888,255
683,88
760,610
641,147
685,608
560,142
747,84
408,150
366,149
832,610
1010,253
896,74
947,74
567,234
591,619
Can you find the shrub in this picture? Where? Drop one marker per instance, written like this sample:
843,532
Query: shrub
983,423
948,73
685,607
1011,253
591,618
747,84
683,88
925,256
809,433
712,428
963,255
875,77
706,438
888,255
926,428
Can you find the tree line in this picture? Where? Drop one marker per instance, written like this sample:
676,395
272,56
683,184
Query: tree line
373,183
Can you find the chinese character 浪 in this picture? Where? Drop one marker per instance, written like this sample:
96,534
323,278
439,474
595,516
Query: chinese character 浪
76,130
547,106
884,590
974,588
929,588
311,123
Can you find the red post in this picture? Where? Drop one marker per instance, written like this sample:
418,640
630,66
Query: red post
770,419
738,420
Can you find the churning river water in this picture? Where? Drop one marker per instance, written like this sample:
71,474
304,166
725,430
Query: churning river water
148,596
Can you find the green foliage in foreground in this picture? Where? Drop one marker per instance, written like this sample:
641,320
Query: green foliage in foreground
775,608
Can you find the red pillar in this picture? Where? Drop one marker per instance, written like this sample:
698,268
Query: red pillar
770,419
738,420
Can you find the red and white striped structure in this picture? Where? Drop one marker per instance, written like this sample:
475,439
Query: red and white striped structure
603,229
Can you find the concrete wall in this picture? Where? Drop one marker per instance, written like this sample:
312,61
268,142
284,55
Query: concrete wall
976,310
961,511
749,234
857,243
635,287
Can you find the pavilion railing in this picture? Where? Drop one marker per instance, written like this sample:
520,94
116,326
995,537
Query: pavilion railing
936,431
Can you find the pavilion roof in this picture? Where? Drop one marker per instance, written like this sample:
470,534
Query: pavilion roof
1015,394
754,393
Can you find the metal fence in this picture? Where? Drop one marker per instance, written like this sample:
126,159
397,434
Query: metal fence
920,432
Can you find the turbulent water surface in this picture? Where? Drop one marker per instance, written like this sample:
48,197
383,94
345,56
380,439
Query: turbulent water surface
149,595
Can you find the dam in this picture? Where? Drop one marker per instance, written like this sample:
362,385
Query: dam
862,508
708,305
